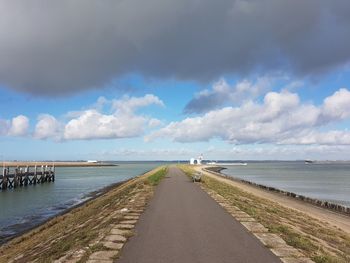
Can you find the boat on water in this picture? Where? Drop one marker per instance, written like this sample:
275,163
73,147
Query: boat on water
308,162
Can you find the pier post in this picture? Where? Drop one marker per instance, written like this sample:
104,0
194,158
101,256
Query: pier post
20,177
10,184
35,175
15,180
24,175
42,178
4,180
53,173
46,173
27,172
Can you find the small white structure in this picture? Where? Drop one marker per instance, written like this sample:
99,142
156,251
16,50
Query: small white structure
92,161
197,161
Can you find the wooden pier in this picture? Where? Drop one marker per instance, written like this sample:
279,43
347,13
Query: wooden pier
24,176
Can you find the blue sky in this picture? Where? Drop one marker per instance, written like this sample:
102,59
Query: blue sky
154,83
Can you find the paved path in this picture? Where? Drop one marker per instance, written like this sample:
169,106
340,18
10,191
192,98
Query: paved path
183,224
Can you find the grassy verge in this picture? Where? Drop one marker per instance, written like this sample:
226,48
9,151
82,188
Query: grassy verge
80,228
155,178
315,239
188,170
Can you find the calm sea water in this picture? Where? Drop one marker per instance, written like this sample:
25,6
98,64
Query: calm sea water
25,207
324,181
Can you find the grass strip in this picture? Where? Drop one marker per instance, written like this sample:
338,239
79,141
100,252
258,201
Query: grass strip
155,178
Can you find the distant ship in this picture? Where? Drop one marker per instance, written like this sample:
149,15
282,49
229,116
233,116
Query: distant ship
308,162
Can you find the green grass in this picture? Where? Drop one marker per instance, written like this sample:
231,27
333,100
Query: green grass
155,178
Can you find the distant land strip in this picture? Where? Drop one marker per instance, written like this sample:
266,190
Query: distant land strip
57,164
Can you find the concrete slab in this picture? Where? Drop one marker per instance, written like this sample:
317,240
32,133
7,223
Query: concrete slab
103,255
117,231
286,252
296,260
255,227
124,226
129,222
114,246
271,240
115,238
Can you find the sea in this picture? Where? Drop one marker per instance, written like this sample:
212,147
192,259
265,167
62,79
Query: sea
329,181
25,207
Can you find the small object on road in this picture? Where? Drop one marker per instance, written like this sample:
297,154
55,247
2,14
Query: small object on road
197,177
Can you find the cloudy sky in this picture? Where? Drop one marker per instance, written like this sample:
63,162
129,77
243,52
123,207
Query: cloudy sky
161,79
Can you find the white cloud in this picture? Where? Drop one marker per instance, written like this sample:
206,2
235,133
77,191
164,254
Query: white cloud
48,127
323,138
153,123
150,153
281,118
18,126
123,123
129,105
337,106
92,124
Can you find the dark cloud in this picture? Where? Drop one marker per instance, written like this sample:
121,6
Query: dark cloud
57,47
222,93
205,102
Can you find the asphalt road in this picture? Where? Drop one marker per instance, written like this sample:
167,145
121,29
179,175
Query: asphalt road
183,224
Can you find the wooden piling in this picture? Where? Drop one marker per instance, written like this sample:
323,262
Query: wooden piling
23,176
35,179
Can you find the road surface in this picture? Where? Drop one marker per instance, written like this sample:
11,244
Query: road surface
183,224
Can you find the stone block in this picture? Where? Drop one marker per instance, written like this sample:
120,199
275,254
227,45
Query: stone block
103,255
271,240
115,238
112,245
255,227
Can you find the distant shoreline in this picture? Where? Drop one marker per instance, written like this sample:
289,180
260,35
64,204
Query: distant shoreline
57,164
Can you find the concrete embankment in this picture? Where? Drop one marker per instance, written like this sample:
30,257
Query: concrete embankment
321,203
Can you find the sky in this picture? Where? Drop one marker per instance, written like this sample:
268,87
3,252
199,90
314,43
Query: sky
169,80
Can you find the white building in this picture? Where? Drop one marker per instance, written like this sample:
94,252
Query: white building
197,161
